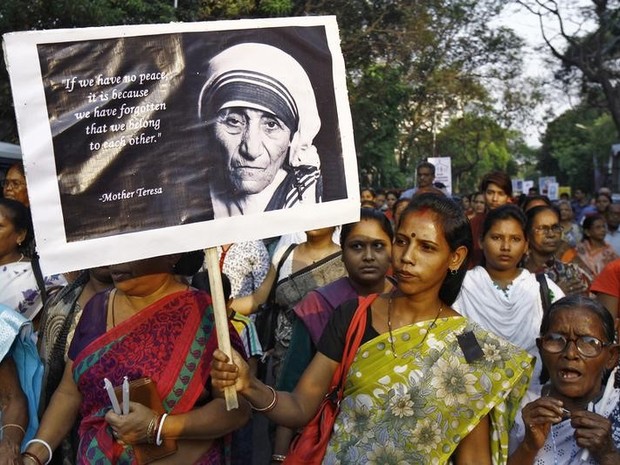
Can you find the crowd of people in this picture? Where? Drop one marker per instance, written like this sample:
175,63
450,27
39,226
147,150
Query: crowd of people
487,325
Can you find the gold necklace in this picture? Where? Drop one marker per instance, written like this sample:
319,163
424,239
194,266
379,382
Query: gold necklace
389,322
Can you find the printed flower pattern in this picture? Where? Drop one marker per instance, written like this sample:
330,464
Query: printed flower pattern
453,381
19,289
432,399
386,454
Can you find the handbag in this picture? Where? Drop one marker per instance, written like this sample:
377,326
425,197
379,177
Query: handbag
309,447
267,313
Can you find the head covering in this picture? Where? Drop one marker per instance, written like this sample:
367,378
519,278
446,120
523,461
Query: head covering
265,78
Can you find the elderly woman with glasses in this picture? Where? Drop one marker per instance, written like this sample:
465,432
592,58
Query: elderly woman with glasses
576,419
261,116
14,184
544,234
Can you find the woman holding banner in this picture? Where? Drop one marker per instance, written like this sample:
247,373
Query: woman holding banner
150,326
427,385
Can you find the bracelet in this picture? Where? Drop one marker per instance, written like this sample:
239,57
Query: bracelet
278,458
151,430
271,406
14,425
159,440
47,446
31,456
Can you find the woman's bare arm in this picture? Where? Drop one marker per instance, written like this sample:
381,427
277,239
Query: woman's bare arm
207,422
14,408
292,410
59,416
249,304
609,301
475,448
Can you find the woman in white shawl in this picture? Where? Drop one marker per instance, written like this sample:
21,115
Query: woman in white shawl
261,114
20,289
502,297
576,418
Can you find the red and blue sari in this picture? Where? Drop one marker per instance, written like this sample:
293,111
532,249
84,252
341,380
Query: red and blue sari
171,341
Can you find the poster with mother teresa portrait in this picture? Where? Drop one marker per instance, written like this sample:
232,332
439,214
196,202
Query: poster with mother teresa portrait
146,140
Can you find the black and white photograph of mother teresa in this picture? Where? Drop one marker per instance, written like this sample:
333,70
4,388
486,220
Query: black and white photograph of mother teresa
261,117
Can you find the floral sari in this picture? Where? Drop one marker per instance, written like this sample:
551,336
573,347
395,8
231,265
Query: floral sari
417,407
170,341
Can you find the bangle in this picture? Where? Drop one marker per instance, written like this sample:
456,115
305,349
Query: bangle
47,446
14,425
159,440
271,406
31,456
278,458
151,430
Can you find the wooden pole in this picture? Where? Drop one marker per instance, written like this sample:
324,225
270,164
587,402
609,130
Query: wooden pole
221,318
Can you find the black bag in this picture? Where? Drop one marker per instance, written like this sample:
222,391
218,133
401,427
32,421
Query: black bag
267,313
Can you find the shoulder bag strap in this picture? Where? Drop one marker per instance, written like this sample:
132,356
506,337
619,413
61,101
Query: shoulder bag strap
285,255
38,275
354,336
544,292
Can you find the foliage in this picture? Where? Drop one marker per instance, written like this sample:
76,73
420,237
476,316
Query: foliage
446,58
412,67
476,144
380,87
576,142
591,56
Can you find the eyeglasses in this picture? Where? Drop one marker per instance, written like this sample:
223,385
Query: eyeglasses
12,183
546,230
588,346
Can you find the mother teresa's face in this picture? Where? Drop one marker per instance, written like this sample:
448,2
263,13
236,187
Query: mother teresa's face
252,145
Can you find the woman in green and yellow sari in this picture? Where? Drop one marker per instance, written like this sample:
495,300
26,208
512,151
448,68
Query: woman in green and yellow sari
427,386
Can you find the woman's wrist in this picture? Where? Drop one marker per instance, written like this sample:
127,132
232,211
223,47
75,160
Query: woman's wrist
29,457
39,450
530,450
610,458
12,434
262,397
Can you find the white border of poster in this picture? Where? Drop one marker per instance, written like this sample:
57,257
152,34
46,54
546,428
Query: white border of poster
37,142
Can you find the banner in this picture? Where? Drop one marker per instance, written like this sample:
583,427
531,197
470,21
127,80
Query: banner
443,171
155,139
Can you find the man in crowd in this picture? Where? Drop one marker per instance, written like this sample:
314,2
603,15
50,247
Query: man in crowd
612,216
579,203
425,176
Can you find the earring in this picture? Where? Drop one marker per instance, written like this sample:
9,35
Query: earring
453,272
